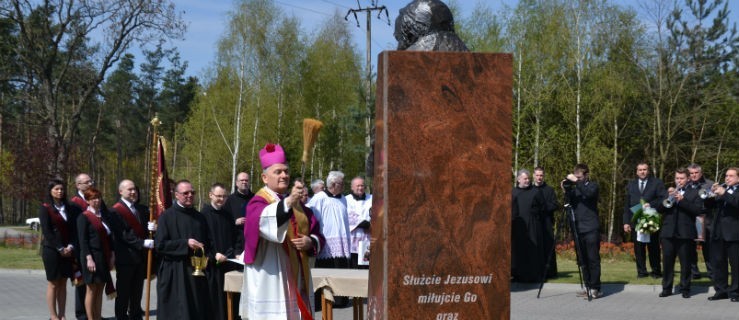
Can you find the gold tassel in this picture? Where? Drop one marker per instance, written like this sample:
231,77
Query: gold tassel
310,134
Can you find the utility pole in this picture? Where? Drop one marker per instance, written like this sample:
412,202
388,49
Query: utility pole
368,68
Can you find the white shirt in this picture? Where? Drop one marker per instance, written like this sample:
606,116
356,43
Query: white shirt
358,210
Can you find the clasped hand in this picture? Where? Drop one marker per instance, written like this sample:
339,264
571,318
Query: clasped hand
302,242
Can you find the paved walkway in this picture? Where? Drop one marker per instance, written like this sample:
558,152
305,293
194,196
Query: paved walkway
22,298
558,301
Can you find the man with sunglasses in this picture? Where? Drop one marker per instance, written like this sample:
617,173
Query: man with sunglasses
182,233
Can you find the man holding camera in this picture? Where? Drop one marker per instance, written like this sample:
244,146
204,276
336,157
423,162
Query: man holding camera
582,195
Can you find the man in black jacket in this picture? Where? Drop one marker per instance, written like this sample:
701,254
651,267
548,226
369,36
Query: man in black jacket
725,237
678,232
582,196
699,182
651,190
130,251
236,206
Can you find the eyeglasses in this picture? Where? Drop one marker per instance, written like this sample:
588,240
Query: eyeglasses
90,182
187,193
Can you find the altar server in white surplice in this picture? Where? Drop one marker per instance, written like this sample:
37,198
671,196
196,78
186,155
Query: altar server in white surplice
330,209
329,206
358,205
280,234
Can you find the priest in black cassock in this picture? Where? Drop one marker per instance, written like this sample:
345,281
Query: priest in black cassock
550,206
527,230
223,231
236,206
181,230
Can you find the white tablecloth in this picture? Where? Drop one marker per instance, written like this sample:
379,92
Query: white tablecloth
335,282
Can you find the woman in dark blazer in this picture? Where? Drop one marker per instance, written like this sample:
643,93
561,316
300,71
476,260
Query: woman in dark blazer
57,219
95,230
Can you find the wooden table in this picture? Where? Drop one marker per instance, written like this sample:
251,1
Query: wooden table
331,282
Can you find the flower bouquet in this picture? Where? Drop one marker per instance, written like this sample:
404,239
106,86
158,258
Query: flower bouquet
646,220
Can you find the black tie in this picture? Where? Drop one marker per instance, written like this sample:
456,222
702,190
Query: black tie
641,186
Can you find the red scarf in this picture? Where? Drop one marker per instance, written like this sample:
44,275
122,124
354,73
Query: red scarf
59,222
97,223
80,202
126,213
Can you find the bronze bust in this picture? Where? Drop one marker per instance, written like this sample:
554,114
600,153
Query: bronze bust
427,25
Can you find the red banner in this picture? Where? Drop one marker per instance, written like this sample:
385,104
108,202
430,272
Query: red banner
161,188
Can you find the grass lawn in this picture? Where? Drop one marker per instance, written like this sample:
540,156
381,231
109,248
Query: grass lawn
20,252
21,228
621,271
20,258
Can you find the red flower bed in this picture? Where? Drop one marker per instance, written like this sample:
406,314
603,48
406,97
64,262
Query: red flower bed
27,241
608,250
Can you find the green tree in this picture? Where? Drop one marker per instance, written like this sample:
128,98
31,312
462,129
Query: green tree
701,48
332,82
127,121
481,31
54,43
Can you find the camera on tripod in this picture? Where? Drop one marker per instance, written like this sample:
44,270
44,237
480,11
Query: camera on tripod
568,183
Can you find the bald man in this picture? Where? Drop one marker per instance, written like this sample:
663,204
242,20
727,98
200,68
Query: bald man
131,243
236,206
82,182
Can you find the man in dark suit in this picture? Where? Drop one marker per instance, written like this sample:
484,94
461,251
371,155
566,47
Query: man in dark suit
130,250
725,237
83,182
582,195
698,182
678,232
650,190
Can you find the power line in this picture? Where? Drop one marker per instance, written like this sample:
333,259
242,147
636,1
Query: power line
368,80
336,4
302,8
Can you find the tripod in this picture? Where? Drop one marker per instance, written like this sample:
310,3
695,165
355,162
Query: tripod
570,216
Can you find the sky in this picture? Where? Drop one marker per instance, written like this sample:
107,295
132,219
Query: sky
206,21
